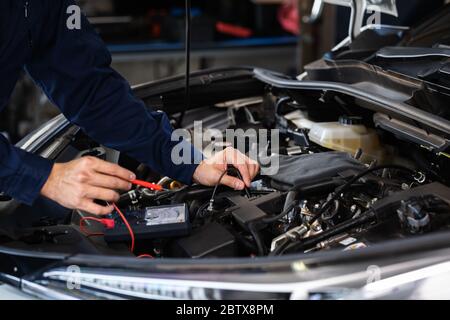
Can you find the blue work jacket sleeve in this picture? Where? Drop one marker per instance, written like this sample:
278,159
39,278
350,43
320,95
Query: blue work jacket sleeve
22,174
73,68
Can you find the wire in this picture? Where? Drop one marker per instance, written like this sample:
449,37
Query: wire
348,184
218,183
147,185
130,230
289,244
211,201
252,227
247,193
288,209
444,154
280,249
257,237
188,62
109,223
201,213
146,256
87,232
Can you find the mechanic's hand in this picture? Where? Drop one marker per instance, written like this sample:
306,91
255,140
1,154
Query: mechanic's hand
76,184
209,171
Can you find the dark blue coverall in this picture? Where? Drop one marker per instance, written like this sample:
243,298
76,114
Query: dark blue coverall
73,69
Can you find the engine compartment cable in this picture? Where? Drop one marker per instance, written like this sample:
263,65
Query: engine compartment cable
348,184
289,245
87,232
213,196
146,255
127,224
253,227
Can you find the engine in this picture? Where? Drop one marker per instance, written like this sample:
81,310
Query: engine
336,187
336,210
329,181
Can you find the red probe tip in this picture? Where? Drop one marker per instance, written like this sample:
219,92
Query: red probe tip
146,184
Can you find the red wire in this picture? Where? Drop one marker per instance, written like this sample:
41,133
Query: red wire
146,184
145,256
89,234
122,216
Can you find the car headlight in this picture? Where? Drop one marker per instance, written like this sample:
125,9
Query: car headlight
102,284
399,281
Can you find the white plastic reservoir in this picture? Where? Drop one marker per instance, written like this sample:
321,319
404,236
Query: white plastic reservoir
348,135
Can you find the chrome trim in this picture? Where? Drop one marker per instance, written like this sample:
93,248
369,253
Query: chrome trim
43,292
38,137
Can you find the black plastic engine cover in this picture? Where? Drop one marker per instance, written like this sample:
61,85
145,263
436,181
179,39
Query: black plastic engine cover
212,240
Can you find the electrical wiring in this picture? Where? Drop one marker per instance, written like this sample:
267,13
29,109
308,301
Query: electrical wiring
273,219
280,249
210,206
125,221
130,230
257,237
142,256
211,201
348,184
147,185
144,184
344,226
444,154
253,227
247,192
105,222
109,223
218,184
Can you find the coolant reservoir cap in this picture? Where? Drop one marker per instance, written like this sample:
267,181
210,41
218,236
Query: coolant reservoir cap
350,120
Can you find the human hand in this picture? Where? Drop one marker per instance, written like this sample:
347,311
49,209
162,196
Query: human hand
210,170
76,184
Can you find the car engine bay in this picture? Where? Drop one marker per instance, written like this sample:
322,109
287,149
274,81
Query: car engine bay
326,195
361,151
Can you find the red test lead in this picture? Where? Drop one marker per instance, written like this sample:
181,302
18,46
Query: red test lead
147,185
